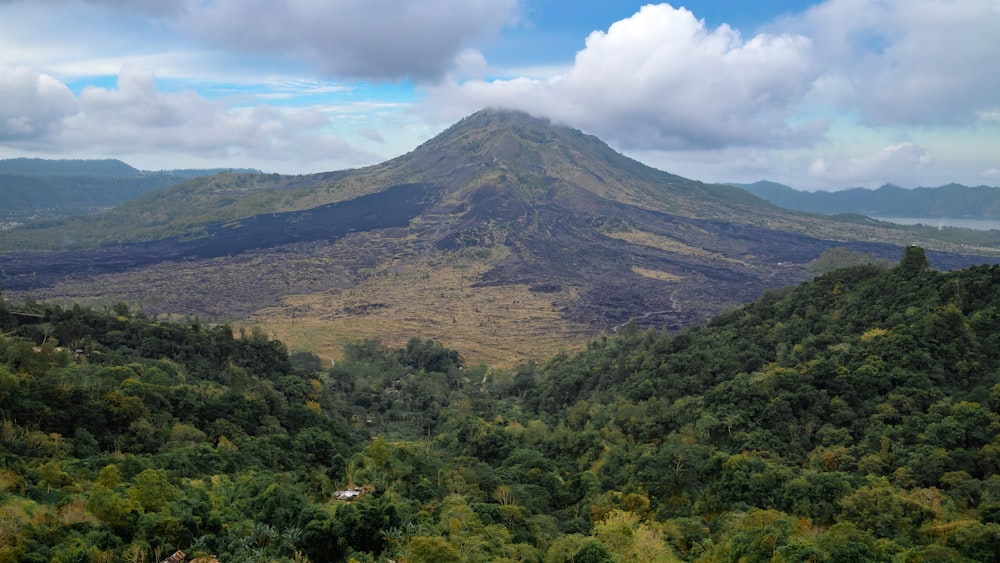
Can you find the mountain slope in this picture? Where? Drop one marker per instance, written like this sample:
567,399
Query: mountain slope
505,237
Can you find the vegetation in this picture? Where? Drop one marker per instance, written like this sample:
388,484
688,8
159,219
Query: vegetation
40,190
67,167
34,197
853,418
949,201
838,258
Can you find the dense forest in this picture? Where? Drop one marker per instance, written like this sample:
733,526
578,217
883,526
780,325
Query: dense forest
853,418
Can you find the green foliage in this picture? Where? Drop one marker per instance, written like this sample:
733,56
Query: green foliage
837,258
852,418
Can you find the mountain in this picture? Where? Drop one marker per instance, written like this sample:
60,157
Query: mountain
949,201
505,237
518,157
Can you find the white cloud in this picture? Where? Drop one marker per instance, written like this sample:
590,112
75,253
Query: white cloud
661,79
137,114
925,62
829,85
902,164
383,40
155,7
31,104
801,98
137,118
732,164
372,39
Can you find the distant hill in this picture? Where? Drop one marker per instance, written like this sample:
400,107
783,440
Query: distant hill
33,188
949,201
67,167
99,167
189,173
27,196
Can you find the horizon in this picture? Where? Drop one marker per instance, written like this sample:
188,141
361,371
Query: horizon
816,95
259,171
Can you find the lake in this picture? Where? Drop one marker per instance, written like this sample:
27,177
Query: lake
977,224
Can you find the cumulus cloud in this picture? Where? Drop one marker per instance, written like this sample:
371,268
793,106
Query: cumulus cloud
372,39
908,62
385,40
662,80
136,117
902,164
660,83
32,104
137,114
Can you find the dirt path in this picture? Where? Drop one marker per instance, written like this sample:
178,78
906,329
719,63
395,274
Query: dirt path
675,308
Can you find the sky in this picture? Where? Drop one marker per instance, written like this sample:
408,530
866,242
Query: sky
816,95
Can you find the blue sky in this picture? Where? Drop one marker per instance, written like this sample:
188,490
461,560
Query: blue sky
817,95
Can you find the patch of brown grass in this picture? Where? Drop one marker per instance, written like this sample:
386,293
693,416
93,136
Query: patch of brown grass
657,274
500,326
669,245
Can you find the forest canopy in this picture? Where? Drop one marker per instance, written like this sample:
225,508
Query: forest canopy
855,417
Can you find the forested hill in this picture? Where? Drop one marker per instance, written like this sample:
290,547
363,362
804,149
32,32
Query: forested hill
853,418
33,188
108,167
949,201
67,167
31,196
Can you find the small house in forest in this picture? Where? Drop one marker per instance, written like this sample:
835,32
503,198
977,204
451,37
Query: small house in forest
177,557
351,493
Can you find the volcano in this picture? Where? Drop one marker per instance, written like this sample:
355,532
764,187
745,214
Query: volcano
506,237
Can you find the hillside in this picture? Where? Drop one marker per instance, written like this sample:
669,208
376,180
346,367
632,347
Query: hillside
67,167
951,201
851,418
30,197
505,237
35,189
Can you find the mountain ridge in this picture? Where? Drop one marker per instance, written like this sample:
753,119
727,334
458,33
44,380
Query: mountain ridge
946,201
67,167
